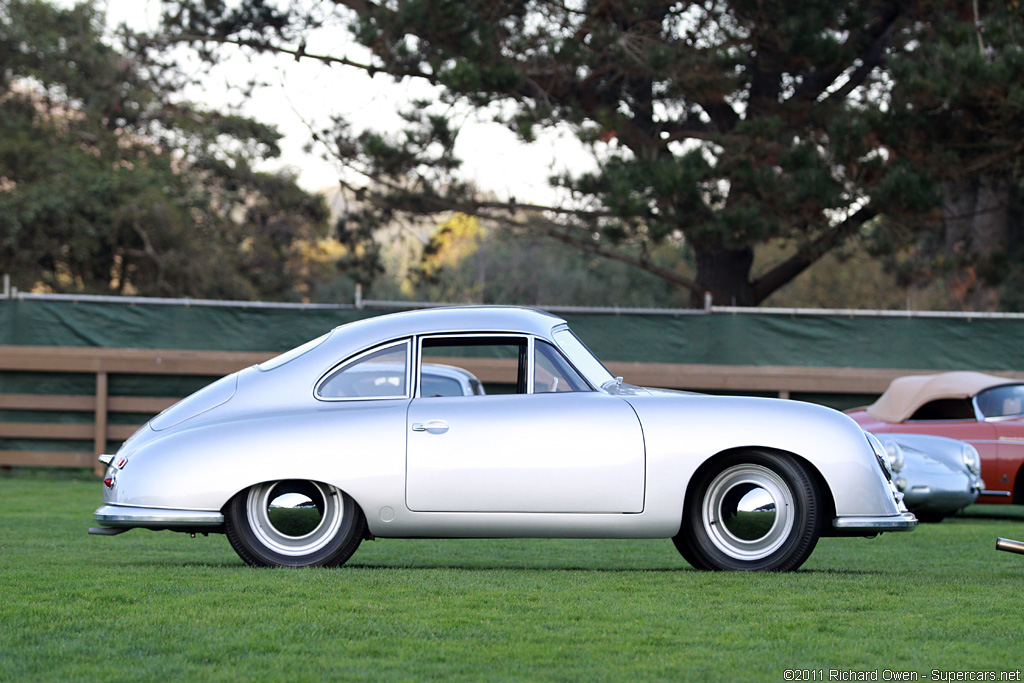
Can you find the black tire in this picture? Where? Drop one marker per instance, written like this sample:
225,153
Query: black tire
751,511
294,523
929,517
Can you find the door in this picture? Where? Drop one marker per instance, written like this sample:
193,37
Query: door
576,452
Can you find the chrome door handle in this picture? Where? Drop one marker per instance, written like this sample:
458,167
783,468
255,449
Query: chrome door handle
432,426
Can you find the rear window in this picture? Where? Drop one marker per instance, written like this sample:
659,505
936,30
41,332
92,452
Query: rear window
381,373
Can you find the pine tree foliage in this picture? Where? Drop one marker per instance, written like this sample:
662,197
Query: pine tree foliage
112,182
724,123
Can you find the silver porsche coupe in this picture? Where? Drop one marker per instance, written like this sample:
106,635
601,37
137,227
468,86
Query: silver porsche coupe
353,436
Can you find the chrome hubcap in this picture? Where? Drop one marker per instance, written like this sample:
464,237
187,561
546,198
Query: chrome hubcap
294,517
748,512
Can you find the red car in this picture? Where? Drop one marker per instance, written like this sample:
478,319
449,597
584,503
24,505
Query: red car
984,410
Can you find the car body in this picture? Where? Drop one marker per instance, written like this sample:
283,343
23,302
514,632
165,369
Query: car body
938,476
297,472
986,411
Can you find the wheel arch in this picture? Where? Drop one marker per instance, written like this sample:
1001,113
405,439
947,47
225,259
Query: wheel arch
828,498
345,490
1018,486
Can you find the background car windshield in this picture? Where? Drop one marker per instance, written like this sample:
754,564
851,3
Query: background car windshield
582,358
1003,401
552,373
379,374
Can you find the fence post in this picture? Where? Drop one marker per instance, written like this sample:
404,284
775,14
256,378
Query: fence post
99,442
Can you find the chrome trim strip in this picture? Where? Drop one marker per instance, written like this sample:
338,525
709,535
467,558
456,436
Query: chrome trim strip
1000,494
903,522
124,516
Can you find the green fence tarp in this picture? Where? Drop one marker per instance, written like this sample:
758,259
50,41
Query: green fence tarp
718,338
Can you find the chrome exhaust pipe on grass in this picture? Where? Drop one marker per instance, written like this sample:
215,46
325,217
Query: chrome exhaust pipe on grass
1010,546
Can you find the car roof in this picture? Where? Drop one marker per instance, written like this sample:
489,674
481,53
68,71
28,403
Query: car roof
454,319
906,394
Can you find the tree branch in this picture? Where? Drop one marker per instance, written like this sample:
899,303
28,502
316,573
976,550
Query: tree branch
554,231
808,254
297,53
869,45
510,215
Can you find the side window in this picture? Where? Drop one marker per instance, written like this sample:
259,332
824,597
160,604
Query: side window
945,409
449,366
436,380
381,373
552,373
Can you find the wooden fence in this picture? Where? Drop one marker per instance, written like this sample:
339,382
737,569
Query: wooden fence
101,363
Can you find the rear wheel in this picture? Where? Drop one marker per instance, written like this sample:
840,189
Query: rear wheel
294,523
751,511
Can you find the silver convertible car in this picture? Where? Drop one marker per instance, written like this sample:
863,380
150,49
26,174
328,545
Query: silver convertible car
300,458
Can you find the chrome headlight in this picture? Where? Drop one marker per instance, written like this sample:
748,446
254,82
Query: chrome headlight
972,461
880,454
895,453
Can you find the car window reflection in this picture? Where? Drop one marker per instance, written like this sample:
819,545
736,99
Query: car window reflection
378,374
552,373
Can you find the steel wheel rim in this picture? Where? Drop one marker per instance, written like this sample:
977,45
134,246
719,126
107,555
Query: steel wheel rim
264,507
748,534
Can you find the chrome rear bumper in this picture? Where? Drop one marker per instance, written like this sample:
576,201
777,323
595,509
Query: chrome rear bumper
125,517
867,526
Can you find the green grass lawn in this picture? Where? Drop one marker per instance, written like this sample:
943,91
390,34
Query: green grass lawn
158,606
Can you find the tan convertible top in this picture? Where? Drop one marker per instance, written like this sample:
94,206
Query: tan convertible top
906,394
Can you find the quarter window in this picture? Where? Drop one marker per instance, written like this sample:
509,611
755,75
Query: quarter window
382,373
552,373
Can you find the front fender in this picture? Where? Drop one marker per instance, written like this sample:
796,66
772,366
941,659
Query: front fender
684,432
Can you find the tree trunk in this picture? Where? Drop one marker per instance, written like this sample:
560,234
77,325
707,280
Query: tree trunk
725,274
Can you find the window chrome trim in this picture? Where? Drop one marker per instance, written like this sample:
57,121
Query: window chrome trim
338,367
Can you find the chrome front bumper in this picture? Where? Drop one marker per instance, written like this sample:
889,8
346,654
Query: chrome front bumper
867,526
125,517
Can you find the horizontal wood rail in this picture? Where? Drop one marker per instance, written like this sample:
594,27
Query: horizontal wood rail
100,362
96,426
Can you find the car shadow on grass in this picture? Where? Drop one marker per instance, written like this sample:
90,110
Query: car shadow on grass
507,567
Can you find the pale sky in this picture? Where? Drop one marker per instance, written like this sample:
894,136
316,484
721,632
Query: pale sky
307,93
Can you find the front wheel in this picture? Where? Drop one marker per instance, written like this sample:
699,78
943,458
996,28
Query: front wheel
294,523
751,511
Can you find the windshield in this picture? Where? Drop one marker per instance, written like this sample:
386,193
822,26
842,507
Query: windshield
1004,401
581,357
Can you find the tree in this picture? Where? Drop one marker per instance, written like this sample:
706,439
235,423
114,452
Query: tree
733,123
957,107
111,182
